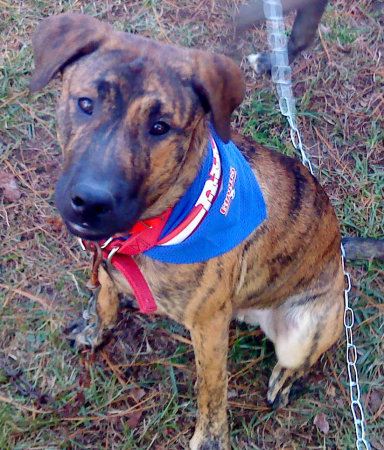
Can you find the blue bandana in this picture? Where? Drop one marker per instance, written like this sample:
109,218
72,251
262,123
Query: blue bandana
238,209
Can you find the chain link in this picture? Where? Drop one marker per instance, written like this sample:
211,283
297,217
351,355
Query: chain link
281,72
282,77
353,376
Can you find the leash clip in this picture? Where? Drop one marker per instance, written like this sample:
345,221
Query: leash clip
111,253
107,242
82,245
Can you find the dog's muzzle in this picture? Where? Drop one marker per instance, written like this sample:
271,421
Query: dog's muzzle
97,208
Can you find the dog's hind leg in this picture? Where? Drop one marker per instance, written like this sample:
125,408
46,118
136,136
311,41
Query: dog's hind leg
304,328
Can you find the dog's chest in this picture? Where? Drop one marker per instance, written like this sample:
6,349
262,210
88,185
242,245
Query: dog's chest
173,286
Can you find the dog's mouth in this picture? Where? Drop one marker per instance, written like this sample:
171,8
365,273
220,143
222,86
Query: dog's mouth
93,212
85,231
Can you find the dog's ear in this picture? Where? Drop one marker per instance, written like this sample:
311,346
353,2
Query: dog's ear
219,83
59,40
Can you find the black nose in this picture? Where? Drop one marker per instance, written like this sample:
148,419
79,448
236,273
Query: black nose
91,202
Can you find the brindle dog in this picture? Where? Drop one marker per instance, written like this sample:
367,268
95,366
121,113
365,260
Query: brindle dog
133,122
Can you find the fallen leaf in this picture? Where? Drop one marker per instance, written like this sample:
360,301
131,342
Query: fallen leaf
85,379
11,190
232,394
137,394
56,223
375,400
134,419
322,423
72,407
331,391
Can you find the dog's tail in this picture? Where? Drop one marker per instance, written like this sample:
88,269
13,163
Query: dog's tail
363,248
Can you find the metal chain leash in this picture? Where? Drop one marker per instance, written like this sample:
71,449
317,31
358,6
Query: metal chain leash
281,72
353,376
282,77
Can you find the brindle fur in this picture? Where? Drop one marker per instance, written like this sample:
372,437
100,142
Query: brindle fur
286,276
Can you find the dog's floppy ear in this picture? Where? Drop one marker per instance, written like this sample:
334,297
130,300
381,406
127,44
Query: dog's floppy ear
219,83
59,40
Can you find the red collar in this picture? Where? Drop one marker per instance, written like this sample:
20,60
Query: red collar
119,251
145,235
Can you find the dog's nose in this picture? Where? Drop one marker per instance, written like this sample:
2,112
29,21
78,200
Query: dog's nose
90,202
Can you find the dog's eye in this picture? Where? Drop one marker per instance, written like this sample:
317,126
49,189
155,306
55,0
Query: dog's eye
159,128
86,105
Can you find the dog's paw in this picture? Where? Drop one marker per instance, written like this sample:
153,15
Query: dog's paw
127,302
82,334
260,62
208,444
284,385
199,441
278,400
288,395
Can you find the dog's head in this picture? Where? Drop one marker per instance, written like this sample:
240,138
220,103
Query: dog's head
131,119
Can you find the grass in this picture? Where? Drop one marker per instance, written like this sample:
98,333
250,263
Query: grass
138,391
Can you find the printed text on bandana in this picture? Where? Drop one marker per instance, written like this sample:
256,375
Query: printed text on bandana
230,192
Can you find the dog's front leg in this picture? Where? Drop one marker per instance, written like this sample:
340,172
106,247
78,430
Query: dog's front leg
101,316
107,306
210,342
